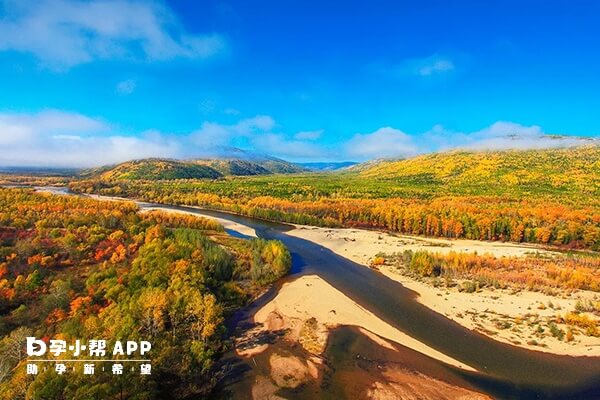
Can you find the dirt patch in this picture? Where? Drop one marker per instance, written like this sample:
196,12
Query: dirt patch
288,353
288,372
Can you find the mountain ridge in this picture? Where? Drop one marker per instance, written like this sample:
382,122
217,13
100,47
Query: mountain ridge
202,168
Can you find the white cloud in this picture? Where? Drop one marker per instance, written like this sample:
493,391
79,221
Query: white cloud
501,135
308,135
282,146
436,67
67,137
60,138
18,128
383,143
260,123
64,139
64,33
213,134
126,87
258,132
426,68
392,143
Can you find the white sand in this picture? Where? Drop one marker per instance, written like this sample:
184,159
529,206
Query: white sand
312,297
482,311
234,226
486,310
361,245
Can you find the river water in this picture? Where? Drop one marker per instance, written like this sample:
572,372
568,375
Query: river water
505,371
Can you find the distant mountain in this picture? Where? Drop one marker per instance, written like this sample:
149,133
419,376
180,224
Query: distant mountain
239,160
327,166
242,167
209,168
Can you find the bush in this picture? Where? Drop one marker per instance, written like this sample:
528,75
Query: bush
377,261
556,331
425,264
469,287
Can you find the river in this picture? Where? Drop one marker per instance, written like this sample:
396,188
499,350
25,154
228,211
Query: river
505,371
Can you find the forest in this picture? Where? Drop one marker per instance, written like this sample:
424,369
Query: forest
549,197
77,268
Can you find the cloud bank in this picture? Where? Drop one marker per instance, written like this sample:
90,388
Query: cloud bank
67,139
64,139
393,143
62,33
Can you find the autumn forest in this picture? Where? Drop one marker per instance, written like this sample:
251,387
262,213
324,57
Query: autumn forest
80,268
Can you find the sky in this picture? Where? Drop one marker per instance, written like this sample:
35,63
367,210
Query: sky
86,83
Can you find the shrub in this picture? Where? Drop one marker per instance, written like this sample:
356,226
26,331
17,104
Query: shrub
425,264
556,331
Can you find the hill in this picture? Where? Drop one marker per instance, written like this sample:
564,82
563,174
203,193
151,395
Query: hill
167,169
152,169
569,175
524,172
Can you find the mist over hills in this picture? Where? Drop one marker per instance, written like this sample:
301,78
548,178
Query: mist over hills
328,166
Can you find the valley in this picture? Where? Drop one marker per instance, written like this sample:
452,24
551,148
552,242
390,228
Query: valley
442,284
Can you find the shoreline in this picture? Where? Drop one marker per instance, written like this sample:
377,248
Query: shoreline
512,317
230,225
311,297
292,342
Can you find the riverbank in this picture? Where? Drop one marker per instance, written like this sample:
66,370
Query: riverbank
295,345
227,224
522,318
311,297
145,207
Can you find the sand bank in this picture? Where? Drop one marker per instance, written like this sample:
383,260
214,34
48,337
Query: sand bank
312,297
511,317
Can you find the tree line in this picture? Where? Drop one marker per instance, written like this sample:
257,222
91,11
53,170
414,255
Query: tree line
498,218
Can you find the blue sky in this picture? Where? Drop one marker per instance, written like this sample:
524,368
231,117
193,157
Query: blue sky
87,83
